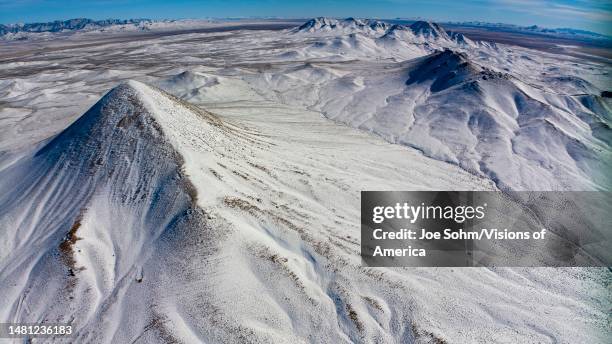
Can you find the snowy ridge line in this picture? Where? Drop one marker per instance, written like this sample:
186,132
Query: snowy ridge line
329,24
418,33
70,24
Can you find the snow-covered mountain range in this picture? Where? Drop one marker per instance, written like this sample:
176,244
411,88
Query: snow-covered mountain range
69,25
80,26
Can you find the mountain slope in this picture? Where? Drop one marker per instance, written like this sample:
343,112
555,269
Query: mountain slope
84,215
522,135
106,229
150,220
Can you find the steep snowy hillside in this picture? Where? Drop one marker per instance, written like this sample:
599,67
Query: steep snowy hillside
429,30
84,214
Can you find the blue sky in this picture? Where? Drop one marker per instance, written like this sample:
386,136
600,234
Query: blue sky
594,15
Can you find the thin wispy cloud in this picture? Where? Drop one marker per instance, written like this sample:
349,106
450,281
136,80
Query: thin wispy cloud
589,10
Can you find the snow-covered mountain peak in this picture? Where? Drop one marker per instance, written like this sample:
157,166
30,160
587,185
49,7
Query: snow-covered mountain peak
460,39
131,105
348,25
398,27
451,66
447,68
398,31
189,80
365,23
122,182
449,57
116,109
428,34
429,30
147,114
318,24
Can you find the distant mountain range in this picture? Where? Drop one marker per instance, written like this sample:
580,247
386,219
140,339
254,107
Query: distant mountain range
67,25
534,29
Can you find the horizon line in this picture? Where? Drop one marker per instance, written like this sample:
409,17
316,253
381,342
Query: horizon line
307,18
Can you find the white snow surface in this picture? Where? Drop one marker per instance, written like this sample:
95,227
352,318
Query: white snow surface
229,211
